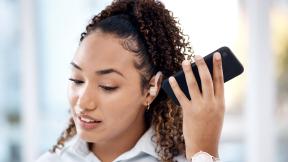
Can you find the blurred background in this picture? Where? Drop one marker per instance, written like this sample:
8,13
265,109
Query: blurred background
39,37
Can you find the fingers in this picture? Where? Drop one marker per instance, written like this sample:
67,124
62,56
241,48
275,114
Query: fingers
177,91
190,79
218,79
205,76
210,88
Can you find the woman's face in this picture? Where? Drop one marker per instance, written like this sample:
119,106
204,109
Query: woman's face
105,87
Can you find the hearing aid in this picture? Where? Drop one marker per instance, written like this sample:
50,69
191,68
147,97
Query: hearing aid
153,89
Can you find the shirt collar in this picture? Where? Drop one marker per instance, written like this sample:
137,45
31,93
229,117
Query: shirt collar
144,145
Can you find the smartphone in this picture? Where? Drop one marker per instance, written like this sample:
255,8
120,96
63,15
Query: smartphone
230,65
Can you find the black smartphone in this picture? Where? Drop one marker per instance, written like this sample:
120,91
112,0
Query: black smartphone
230,64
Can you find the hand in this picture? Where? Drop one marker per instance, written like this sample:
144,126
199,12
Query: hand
203,114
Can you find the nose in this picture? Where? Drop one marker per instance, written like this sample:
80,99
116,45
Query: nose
87,99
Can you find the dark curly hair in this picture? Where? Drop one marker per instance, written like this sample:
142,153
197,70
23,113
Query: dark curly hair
160,46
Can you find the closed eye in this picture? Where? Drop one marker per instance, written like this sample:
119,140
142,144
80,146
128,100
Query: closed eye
75,81
107,88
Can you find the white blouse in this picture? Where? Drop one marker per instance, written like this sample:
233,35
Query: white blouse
77,150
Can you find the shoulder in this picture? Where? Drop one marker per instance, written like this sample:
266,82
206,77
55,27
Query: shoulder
74,150
66,154
181,158
48,157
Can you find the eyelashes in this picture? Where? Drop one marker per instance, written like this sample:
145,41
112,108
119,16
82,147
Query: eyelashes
107,88
75,81
104,87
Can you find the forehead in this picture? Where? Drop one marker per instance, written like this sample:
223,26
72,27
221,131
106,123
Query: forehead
100,51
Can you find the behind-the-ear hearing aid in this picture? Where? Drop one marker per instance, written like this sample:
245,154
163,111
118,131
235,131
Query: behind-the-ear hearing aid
153,91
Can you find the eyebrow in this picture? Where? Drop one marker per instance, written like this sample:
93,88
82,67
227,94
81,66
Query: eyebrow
100,72
76,66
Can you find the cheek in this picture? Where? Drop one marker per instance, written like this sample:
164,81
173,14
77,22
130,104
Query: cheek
123,107
72,96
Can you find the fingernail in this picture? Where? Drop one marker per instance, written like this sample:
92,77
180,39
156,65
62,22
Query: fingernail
171,79
217,56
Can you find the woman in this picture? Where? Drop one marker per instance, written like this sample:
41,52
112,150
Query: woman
118,110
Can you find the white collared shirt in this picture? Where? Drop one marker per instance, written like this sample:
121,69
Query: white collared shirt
77,150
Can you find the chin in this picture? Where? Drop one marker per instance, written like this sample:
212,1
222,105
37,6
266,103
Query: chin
90,136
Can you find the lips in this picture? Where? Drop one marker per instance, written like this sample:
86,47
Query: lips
88,119
88,122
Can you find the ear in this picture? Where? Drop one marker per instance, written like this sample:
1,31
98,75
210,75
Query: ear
154,87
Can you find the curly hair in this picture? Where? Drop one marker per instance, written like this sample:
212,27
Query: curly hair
160,46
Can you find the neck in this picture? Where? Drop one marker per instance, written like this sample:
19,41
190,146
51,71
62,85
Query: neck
110,150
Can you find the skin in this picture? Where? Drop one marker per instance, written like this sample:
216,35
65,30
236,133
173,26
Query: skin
206,111
121,110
